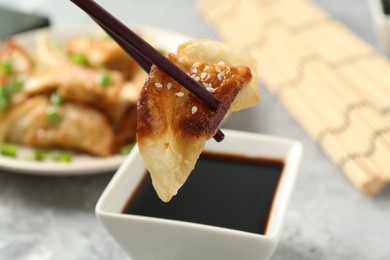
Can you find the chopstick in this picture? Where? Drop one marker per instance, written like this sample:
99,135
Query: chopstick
145,54
144,63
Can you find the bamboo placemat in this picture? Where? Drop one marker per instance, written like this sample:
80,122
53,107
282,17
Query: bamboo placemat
334,84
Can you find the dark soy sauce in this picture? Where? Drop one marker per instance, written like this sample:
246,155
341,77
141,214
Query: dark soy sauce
227,191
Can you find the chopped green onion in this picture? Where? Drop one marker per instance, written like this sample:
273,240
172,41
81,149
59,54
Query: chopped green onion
53,117
4,98
4,102
65,157
7,90
79,58
61,156
56,99
14,85
6,67
104,79
39,154
4,91
8,150
125,150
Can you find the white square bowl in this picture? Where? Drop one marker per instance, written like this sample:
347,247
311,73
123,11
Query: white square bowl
147,238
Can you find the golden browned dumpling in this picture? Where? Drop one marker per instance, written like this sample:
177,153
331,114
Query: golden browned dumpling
88,80
50,53
101,51
215,52
14,61
37,123
79,84
173,124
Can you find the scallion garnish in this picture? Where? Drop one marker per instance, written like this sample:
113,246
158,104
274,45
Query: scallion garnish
64,157
56,99
53,117
4,98
14,85
6,67
7,90
125,150
39,154
9,150
79,58
104,79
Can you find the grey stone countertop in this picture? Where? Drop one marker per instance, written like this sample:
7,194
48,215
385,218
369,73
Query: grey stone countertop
45,218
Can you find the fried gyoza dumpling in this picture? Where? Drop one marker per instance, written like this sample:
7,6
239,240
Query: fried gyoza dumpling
173,125
212,51
126,130
79,84
49,52
101,51
37,123
14,61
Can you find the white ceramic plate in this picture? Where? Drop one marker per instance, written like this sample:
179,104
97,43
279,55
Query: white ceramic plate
81,164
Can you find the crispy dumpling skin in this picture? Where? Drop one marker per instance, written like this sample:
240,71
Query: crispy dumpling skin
126,131
49,52
20,61
132,89
102,51
215,52
172,129
79,128
80,85
76,83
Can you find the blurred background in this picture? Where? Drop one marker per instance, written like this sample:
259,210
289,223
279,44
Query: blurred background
354,13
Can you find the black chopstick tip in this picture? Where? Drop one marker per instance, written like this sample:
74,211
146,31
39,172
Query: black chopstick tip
219,136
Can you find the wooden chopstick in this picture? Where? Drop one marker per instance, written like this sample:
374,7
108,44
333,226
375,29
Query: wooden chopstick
146,50
144,63
145,54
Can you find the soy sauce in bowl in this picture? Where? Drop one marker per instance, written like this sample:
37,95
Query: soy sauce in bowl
229,191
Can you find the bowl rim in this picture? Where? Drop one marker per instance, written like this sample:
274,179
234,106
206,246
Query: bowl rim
291,165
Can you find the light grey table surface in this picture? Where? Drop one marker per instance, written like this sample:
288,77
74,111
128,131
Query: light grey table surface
45,218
